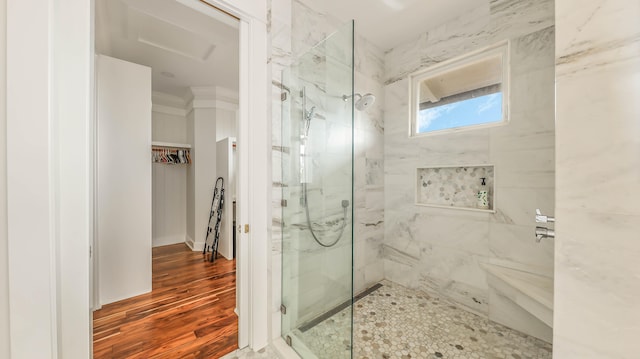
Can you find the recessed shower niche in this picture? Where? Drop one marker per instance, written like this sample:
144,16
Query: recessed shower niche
457,187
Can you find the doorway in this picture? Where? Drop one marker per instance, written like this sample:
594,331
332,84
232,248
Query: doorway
167,83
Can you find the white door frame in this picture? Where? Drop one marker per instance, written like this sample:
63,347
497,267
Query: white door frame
254,173
49,175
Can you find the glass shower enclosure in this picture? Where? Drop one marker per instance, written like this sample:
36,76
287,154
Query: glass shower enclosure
317,192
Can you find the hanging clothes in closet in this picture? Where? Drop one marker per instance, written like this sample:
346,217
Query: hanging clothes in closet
170,155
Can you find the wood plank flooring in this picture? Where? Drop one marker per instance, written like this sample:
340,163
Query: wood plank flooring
188,314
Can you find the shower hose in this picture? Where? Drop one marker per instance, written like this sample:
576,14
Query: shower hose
345,204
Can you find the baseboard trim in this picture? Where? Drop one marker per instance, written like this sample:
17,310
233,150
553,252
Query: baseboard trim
284,351
167,240
188,241
195,246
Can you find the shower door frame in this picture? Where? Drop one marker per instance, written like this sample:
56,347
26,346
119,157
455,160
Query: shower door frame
290,305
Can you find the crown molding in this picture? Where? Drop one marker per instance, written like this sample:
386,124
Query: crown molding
168,110
162,98
168,104
211,97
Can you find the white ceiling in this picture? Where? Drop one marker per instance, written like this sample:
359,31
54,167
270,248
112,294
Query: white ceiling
184,47
388,23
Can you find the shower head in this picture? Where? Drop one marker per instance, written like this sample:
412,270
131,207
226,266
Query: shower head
363,101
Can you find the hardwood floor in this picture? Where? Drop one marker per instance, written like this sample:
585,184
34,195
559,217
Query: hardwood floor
188,314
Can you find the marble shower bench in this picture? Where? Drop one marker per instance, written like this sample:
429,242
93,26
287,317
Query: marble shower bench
521,300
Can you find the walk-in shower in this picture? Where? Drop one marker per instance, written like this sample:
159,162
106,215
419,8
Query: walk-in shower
386,250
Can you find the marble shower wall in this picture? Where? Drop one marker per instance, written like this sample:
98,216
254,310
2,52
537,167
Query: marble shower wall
597,277
295,28
442,249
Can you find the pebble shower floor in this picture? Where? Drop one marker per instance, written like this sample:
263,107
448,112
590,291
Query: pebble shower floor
395,322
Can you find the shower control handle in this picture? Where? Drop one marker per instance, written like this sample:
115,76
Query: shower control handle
543,232
541,218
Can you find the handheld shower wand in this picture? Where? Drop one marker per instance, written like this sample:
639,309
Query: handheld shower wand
307,116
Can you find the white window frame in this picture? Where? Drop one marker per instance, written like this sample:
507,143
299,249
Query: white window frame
502,48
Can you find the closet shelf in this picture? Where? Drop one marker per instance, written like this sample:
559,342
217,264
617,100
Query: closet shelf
170,144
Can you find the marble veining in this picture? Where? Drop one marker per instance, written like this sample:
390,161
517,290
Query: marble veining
477,28
598,57
589,48
442,250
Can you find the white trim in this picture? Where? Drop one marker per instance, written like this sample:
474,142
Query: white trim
456,208
71,98
31,184
283,350
195,246
257,169
245,10
168,110
224,105
211,97
454,130
253,191
167,240
213,92
169,144
502,48
162,98
242,240
207,10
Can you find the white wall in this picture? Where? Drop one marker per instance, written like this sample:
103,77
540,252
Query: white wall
73,124
203,156
226,124
169,214
597,311
124,178
48,177
211,109
191,178
4,267
169,127
225,155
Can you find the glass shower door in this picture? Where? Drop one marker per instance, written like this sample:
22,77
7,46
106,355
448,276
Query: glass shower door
317,243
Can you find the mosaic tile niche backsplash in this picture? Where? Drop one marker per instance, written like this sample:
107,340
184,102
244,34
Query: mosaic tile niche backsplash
456,187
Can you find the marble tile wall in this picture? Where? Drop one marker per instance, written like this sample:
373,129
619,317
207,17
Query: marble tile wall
597,277
442,249
295,27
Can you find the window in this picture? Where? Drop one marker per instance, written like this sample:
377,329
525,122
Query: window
467,92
